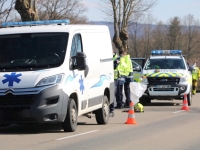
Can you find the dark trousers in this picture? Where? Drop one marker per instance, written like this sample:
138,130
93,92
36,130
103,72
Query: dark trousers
119,94
127,92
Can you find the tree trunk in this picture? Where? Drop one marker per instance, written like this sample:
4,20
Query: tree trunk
124,38
121,41
27,11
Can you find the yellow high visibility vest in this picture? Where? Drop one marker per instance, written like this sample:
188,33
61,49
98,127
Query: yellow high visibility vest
122,67
196,73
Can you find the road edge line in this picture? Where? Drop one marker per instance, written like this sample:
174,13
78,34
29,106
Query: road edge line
178,111
76,135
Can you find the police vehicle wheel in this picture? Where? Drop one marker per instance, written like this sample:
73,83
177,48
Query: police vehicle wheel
70,122
102,114
143,101
148,100
189,98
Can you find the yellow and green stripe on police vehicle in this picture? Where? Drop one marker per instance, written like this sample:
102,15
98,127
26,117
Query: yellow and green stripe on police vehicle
138,76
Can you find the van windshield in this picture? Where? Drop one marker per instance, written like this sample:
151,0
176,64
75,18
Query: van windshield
166,63
32,51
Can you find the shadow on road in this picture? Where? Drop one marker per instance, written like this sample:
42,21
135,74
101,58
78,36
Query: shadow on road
154,103
31,129
85,123
35,128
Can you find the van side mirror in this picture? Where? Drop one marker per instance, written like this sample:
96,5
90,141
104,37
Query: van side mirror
137,68
79,61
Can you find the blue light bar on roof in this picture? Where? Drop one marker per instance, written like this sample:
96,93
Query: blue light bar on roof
166,52
30,23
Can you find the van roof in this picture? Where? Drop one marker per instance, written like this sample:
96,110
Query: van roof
51,28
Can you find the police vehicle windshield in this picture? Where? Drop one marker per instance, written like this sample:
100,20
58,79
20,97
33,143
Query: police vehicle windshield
165,63
32,50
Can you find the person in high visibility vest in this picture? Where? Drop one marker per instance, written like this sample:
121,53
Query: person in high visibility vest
125,76
128,79
195,77
116,60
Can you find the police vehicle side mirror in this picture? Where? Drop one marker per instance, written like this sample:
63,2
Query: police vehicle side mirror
137,68
79,61
191,68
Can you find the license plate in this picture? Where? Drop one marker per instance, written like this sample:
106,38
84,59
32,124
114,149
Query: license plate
163,86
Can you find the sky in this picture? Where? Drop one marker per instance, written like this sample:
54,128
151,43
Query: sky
162,11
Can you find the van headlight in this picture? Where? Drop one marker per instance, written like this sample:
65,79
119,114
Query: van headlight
50,80
183,79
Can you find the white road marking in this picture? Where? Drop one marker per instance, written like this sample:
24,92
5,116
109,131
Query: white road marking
178,111
67,137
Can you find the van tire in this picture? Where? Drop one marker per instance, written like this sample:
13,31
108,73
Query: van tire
102,114
70,122
189,98
4,124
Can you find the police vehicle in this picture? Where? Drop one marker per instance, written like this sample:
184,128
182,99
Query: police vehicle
167,76
52,72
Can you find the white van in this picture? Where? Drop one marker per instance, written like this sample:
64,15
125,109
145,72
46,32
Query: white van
53,72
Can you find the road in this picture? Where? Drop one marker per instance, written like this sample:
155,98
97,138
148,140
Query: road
163,126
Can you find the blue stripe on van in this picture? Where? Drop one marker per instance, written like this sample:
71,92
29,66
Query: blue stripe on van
100,83
70,78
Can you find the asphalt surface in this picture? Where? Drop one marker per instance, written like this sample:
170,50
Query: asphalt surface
163,126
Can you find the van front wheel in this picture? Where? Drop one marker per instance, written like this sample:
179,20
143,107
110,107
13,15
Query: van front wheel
4,124
102,114
70,122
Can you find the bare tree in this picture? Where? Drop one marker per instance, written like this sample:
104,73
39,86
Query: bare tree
134,31
160,36
51,9
27,10
5,9
62,9
174,31
148,33
122,11
191,32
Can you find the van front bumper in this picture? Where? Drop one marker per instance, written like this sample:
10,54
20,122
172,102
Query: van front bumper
34,105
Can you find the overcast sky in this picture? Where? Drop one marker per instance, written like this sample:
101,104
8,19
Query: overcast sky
164,10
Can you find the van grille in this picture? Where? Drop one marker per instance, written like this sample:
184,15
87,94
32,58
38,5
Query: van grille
16,100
